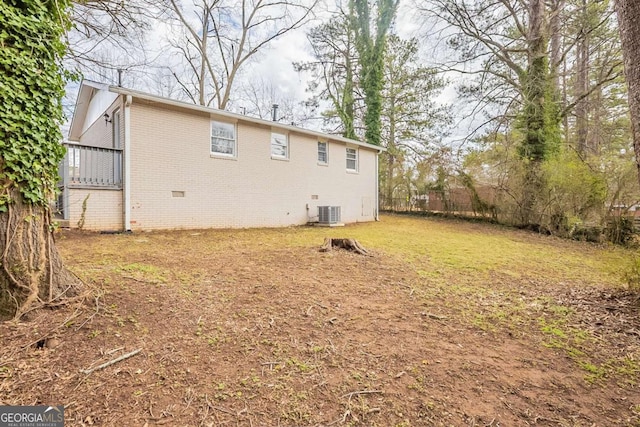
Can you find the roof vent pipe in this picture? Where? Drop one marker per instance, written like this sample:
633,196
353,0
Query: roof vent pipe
275,112
119,77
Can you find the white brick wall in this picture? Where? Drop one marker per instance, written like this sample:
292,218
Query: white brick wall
170,151
103,208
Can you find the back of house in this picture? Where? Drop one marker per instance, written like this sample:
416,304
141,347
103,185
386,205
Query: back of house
136,161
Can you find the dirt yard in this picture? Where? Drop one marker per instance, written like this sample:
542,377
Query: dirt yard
447,324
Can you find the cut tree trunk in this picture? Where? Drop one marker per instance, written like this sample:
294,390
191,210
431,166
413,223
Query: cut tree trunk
348,244
32,271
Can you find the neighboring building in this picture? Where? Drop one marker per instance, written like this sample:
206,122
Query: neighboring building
137,162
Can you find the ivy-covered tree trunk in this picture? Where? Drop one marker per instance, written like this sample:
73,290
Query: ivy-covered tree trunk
348,113
32,270
540,118
30,116
371,49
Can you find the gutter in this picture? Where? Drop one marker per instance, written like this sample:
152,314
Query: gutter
127,162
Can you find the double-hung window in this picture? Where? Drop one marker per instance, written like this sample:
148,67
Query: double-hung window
323,153
352,159
279,146
223,139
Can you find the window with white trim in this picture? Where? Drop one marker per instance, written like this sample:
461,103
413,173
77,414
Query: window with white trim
223,139
279,145
323,152
352,159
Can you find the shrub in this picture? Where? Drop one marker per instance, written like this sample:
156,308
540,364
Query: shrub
620,230
632,274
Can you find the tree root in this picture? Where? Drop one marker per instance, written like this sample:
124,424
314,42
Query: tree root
32,274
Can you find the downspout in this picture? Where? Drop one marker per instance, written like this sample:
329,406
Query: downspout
65,186
127,163
377,178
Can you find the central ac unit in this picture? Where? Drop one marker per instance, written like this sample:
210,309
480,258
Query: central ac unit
329,214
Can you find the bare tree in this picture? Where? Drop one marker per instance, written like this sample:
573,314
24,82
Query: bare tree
108,35
258,97
334,74
412,121
514,53
510,42
218,37
493,42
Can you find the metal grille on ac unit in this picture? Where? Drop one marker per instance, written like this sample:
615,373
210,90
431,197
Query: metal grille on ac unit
329,214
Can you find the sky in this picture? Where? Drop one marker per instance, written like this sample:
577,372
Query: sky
274,65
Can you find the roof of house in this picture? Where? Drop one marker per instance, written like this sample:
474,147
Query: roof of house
88,88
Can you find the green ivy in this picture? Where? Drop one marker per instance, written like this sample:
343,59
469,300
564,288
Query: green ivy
540,118
32,45
371,48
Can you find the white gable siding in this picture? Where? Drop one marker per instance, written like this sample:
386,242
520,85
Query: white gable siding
98,133
100,101
170,152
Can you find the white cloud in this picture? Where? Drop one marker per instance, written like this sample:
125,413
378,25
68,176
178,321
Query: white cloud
276,64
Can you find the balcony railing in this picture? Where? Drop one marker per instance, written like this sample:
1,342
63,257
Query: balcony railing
85,166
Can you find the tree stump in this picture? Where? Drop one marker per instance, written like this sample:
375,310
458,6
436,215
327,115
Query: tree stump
348,244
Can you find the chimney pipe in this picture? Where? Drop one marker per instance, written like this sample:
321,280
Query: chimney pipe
119,77
275,112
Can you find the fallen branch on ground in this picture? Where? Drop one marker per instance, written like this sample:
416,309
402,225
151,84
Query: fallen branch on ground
356,393
111,362
434,316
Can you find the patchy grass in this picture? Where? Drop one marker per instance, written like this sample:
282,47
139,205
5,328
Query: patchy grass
449,323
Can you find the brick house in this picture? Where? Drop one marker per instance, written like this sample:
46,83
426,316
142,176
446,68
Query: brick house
137,161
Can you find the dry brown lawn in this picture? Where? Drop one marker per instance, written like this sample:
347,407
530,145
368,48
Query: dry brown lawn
447,324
